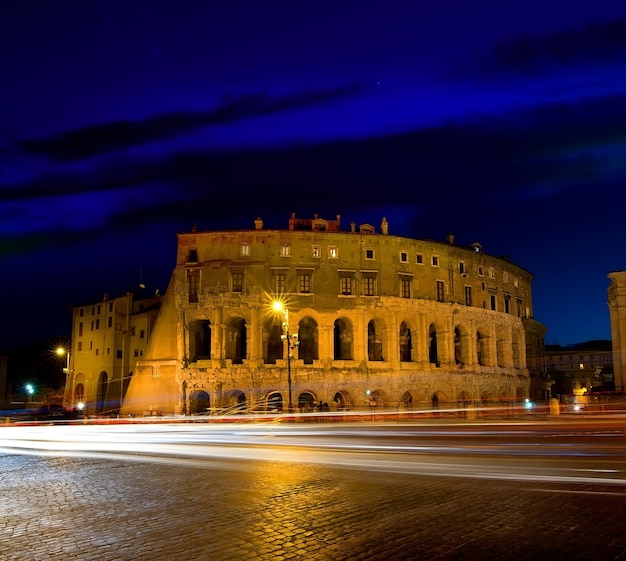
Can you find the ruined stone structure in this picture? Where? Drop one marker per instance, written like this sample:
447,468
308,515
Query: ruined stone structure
617,314
379,320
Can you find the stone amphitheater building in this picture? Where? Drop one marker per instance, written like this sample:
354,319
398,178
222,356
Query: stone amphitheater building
372,319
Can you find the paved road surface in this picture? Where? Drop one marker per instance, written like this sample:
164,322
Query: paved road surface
313,492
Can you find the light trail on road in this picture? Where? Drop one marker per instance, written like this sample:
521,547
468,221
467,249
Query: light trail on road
558,454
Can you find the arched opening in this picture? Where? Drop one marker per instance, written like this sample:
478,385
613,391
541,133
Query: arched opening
459,358
343,401
405,342
79,393
101,392
275,402
199,403
374,340
343,339
433,356
307,337
236,340
482,349
275,343
306,402
407,400
376,398
199,340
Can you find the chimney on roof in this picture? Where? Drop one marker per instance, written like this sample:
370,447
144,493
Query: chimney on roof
384,226
450,238
353,226
258,223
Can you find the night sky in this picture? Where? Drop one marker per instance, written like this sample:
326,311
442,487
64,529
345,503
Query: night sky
124,122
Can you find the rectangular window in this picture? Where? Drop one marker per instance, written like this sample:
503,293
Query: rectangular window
492,273
245,249
110,322
80,329
142,334
98,309
192,256
492,299
80,345
440,291
369,285
110,306
98,323
118,353
369,254
136,352
193,281
405,287
518,307
435,261
481,272
404,257
505,277
81,312
285,249
279,282
304,282
468,295
333,252
419,259
507,304
462,268
316,251
237,281
345,285
97,352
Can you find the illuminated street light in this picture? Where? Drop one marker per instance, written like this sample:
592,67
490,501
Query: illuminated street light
63,351
292,341
30,390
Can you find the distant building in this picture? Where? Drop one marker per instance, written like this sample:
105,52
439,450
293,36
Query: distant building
108,338
617,312
380,320
587,367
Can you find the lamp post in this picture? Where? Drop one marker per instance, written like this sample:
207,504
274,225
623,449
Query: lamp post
292,342
61,351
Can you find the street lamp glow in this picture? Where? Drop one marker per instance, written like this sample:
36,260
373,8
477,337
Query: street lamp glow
60,351
291,340
30,389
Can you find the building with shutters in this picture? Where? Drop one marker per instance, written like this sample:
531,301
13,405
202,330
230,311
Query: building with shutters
374,320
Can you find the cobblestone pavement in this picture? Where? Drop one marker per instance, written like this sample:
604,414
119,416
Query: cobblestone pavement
68,508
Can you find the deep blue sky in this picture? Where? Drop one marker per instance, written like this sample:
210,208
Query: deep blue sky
123,122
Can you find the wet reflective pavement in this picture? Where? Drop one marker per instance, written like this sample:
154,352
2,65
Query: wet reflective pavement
311,493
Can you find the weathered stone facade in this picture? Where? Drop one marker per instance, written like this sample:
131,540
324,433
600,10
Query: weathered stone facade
617,313
380,319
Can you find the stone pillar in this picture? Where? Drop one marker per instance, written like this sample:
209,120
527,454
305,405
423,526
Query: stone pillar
421,343
471,353
254,350
493,347
617,314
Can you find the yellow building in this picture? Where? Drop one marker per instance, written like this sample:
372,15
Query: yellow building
108,338
379,320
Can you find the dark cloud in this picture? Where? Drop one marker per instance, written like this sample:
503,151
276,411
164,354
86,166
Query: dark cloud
595,43
105,138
